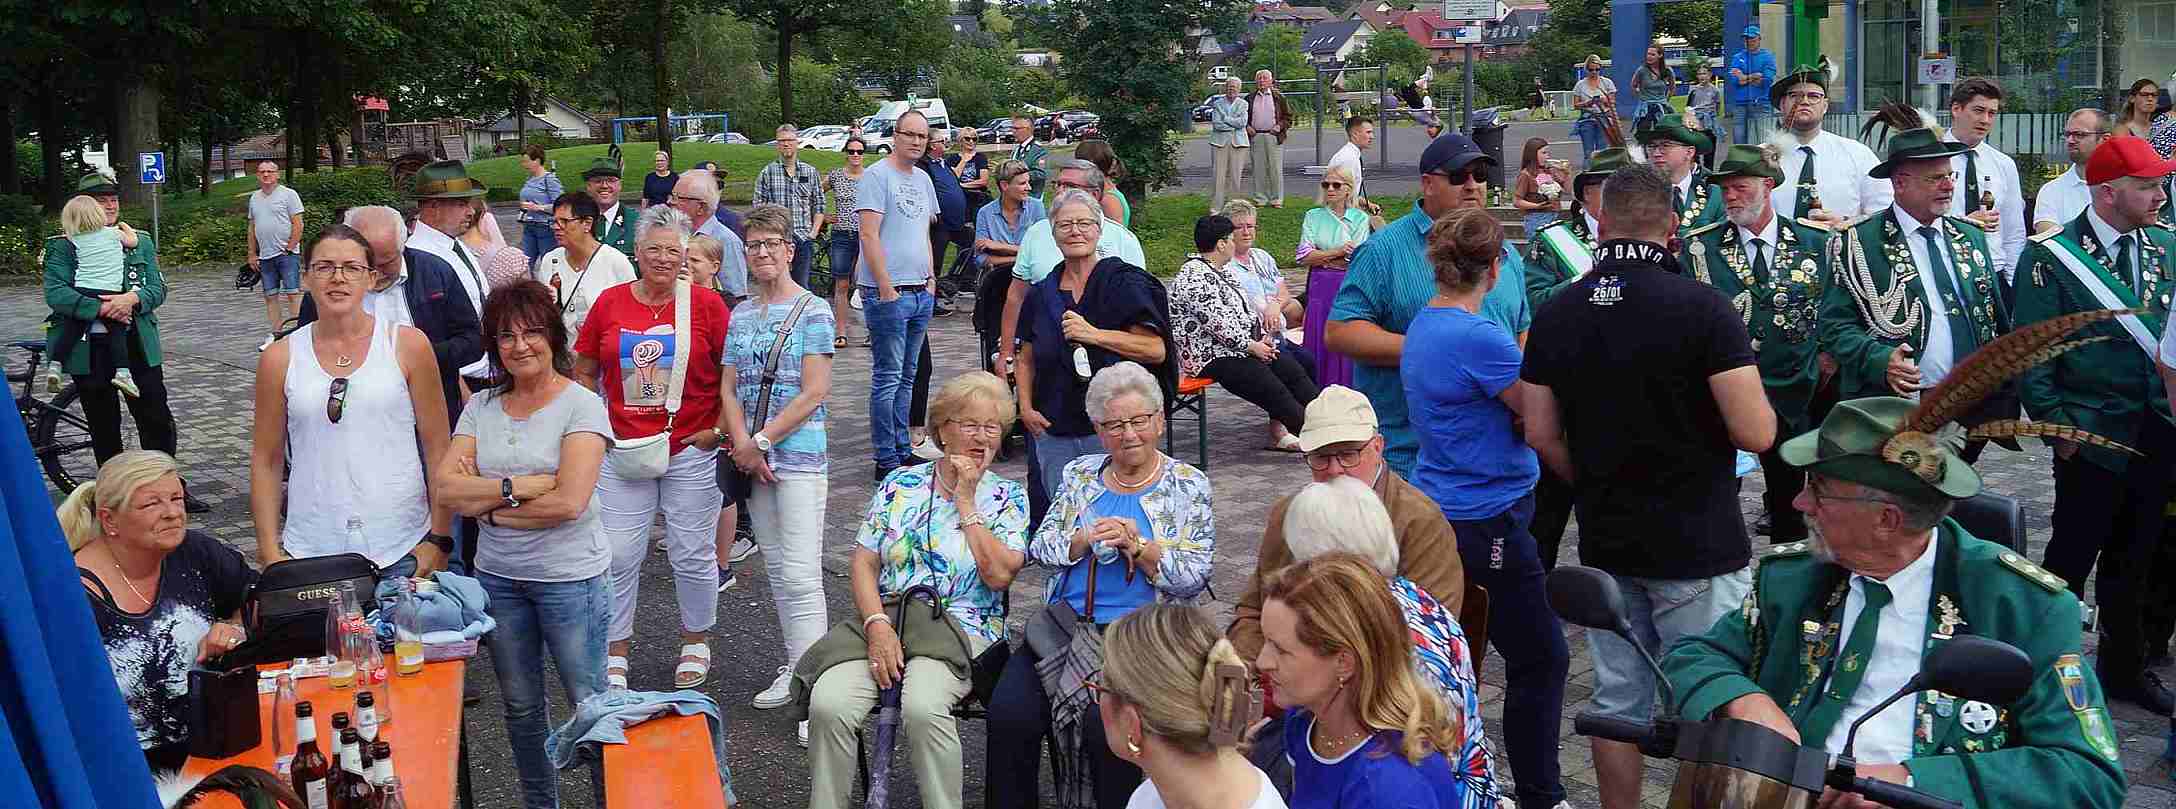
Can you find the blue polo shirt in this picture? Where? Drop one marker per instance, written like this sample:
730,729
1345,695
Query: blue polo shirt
1754,61
1390,282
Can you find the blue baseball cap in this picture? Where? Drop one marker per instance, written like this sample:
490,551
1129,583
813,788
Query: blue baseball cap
1751,32
1450,151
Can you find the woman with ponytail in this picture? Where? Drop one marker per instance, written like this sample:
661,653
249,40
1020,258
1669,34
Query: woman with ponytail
1175,701
164,596
1362,729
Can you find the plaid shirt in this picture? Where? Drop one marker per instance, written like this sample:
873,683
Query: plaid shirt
800,194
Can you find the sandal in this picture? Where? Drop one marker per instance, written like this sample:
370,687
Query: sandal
690,673
838,342
615,671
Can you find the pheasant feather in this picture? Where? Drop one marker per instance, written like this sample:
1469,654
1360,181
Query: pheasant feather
2016,428
1986,369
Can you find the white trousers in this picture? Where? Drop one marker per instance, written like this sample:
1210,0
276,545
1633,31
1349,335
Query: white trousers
688,495
788,519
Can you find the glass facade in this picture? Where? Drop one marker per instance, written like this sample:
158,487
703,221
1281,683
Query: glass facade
2050,55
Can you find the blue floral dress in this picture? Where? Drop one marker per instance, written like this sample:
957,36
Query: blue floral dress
1442,658
915,533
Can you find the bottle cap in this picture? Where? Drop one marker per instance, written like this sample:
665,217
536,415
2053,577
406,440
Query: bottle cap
350,736
303,708
339,720
365,699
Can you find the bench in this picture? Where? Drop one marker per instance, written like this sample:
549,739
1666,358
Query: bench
1193,401
667,761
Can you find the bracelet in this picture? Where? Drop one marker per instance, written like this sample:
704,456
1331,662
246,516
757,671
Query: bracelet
971,518
487,518
874,618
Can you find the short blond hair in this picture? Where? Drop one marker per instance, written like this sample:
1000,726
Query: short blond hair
966,389
1332,173
708,247
1238,208
118,479
82,215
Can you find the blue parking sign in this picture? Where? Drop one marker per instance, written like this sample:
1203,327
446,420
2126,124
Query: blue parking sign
151,168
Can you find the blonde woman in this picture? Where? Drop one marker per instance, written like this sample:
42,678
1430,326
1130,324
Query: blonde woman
1175,701
1361,728
163,595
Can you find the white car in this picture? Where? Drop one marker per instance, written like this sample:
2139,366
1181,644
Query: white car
728,137
827,138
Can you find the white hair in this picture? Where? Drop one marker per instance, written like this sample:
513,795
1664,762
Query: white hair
664,216
1341,516
1125,378
706,190
1091,176
1074,196
365,218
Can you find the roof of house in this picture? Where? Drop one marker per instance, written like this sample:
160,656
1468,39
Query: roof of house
1292,15
1383,19
506,124
1517,28
1327,37
965,26
1422,25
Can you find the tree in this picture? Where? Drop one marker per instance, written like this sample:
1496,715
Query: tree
978,85
1700,24
901,48
1125,56
1552,53
1277,50
791,19
1405,58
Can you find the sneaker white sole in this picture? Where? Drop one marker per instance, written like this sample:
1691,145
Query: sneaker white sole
743,549
803,732
771,697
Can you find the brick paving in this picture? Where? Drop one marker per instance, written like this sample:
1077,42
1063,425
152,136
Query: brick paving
211,333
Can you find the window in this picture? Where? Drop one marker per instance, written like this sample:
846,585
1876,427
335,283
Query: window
1441,35
2157,23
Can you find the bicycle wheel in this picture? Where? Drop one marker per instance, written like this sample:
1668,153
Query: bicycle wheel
819,272
62,440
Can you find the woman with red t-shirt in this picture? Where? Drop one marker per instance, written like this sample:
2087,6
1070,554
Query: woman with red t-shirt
627,350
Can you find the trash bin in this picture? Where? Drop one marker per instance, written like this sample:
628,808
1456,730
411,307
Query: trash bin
1488,134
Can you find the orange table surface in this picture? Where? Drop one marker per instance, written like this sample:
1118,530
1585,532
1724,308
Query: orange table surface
667,761
425,732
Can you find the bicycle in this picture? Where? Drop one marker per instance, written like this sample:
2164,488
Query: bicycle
60,436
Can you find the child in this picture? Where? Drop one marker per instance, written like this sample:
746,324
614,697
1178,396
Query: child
705,256
101,269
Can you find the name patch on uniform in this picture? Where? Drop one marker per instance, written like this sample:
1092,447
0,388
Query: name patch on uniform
1632,251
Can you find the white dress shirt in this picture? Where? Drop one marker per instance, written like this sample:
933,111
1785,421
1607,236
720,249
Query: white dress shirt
1938,355
1998,173
2061,199
1840,165
1684,188
391,302
452,251
1898,645
1594,228
1767,237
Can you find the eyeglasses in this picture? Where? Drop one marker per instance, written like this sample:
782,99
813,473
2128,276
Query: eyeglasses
569,221
1138,424
531,333
1075,225
2147,93
1809,96
905,135
1819,498
989,429
2073,134
1930,178
689,199
337,400
664,251
766,246
856,152
340,272
1342,459
1078,187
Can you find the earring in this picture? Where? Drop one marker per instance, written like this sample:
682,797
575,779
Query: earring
1133,748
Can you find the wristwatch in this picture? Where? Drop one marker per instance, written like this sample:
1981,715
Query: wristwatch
444,543
506,490
762,442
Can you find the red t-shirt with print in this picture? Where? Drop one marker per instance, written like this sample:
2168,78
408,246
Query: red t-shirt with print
634,347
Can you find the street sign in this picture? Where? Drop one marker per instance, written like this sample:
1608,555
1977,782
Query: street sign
1472,10
1935,69
151,168
1467,34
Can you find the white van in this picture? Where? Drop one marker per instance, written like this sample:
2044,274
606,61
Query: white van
877,129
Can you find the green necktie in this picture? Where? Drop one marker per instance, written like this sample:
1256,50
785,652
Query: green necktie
1971,181
1760,260
1805,183
2125,270
1677,197
1963,338
1845,674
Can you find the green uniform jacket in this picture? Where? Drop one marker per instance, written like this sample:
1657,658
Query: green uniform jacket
73,311
619,232
1034,156
1547,272
1874,302
1780,311
1704,208
2055,748
2101,388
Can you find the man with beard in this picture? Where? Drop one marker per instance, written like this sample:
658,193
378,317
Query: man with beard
615,223
1915,291
1675,148
2061,200
1564,251
2109,503
1834,626
1773,271
1824,174
1641,389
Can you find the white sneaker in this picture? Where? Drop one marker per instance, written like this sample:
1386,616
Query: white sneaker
726,579
927,450
125,384
804,734
780,692
268,338
743,548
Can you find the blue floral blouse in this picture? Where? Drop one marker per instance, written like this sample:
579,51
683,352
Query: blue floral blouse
1179,518
1442,658
915,533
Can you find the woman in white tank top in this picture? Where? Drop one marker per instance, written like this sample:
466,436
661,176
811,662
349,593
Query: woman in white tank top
350,406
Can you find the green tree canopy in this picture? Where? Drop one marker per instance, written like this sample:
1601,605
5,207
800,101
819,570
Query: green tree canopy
1393,49
1277,50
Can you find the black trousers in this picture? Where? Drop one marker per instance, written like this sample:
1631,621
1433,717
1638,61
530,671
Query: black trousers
2116,520
1280,387
1552,512
1019,719
101,405
918,409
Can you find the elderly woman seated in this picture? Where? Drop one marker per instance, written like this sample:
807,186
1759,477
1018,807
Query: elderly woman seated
950,525
1127,527
1222,335
1344,516
164,596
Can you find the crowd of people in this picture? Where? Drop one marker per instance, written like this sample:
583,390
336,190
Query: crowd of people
1832,313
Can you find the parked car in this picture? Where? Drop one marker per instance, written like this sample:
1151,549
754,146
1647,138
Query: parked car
998,130
1202,113
1081,124
728,137
828,138
696,138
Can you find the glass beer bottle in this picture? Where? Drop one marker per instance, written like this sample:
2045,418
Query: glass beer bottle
310,769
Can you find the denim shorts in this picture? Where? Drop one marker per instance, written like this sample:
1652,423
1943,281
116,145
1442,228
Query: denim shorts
282,274
1662,611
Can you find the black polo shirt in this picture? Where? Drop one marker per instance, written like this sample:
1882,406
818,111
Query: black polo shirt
1627,350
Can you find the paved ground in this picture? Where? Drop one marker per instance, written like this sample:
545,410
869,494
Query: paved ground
212,331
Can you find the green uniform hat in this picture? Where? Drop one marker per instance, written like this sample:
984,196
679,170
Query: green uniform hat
96,183
1746,160
1603,163
1915,144
446,179
1863,441
601,167
1672,127
1804,74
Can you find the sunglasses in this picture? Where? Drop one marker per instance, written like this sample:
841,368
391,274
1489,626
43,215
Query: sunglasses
1470,174
1329,184
857,152
337,401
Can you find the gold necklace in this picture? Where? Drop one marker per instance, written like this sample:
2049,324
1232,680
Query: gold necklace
1144,481
126,581
1338,743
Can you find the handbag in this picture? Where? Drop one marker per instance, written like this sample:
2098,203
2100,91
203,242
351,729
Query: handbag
1051,631
645,458
222,709
736,484
246,276
285,610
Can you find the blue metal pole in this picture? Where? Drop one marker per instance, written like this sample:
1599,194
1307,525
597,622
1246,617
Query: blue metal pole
1737,14
1631,30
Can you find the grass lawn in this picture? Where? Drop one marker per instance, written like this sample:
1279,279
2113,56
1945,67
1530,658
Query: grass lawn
1166,227
504,174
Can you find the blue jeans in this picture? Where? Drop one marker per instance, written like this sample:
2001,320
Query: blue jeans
804,257
537,239
1053,452
1500,555
896,331
1753,123
1591,139
282,274
1650,111
566,618
1706,118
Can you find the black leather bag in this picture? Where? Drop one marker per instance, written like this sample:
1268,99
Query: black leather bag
1051,631
285,612
245,277
223,710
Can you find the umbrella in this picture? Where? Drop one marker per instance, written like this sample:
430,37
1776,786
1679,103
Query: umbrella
887,711
1064,677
